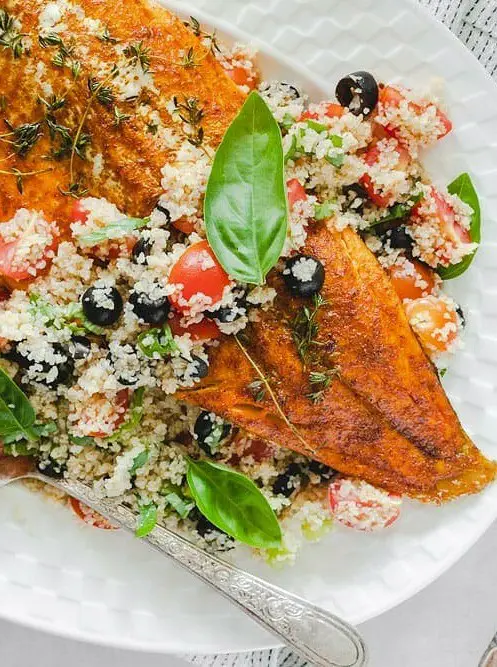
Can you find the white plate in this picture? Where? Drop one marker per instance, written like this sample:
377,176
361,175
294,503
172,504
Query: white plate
61,576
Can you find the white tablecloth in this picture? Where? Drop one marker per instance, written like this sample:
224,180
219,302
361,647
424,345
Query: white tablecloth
447,625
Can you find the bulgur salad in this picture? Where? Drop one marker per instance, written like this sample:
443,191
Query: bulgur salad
102,322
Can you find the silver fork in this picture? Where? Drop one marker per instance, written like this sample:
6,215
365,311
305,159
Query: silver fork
313,633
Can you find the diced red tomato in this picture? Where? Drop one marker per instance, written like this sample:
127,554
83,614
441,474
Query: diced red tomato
184,225
371,157
296,192
204,330
89,516
78,212
4,294
192,270
115,414
435,322
332,110
259,449
13,273
408,280
357,504
391,96
242,76
450,228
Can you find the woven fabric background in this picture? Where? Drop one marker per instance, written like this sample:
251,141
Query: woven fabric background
475,23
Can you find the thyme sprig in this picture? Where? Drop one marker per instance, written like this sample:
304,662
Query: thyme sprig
137,53
305,328
107,37
197,30
22,137
192,115
320,381
103,94
10,36
271,393
192,59
65,52
120,117
21,175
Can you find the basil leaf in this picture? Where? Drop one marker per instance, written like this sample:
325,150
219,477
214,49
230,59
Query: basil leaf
292,149
139,461
246,210
147,520
233,503
157,342
336,160
114,230
17,415
463,187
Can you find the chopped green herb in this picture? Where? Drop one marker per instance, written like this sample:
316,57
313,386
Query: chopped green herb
157,342
147,520
317,127
305,328
138,54
10,37
120,117
139,461
114,230
82,441
325,210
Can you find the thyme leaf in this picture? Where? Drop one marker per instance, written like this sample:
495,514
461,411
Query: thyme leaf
102,93
305,328
10,37
197,30
138,54
21,175
120,117
107,37
320,382
192,115
23,137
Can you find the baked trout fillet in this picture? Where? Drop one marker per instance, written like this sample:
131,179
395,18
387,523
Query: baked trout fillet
384,417
102,95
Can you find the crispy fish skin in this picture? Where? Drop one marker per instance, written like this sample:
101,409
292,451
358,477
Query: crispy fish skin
358,427
132,156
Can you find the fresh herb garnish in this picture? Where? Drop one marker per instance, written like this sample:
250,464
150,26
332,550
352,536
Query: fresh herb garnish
17,416
139,461
194,25
38,430
138,54
21,175
147,520
325,210
157,343
82,440
114,230
463,188
246,210
305,328
192,114
120,117
107,37
59,317
320,382
175,497
152,128
23,137
233,503
102,93
10,37
64,53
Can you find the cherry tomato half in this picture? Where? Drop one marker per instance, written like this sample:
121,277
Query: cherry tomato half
371,157
390,96
435,322
412,279
200,273
14,273
446,216
296,192
113,414
204,330
89,516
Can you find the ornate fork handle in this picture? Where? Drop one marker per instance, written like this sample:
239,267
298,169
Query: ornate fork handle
315,634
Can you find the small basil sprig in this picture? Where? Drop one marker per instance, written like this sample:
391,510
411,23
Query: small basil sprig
114,230
246,210
399,211
233,503
17,416
463,187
